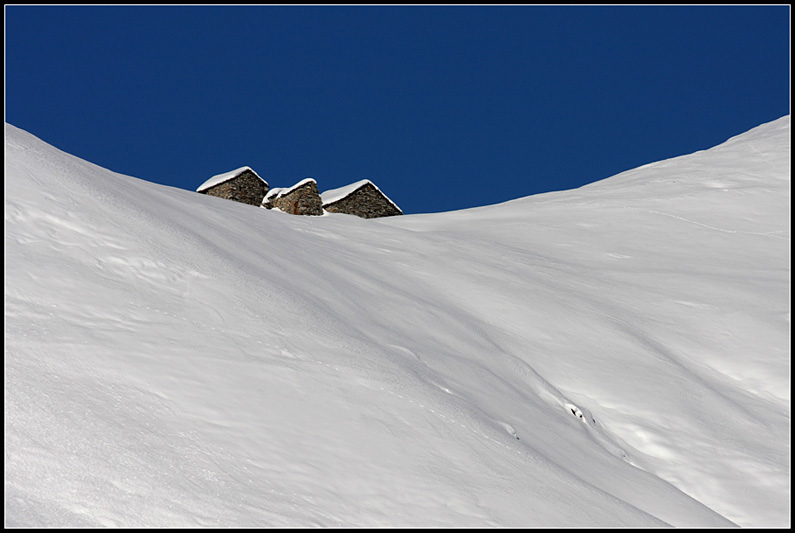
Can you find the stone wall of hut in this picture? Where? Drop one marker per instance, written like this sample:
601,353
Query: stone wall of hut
365,202
304,200
246,188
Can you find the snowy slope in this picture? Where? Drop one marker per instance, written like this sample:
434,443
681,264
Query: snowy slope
616,355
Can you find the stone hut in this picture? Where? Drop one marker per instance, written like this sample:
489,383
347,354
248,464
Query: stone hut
300,199
362,199
241,185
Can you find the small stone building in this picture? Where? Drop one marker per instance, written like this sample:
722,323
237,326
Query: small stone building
241,185
362,199
300,199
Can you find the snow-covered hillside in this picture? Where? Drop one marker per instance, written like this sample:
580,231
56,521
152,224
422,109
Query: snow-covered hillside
616,355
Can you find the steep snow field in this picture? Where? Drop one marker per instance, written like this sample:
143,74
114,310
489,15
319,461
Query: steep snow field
612,356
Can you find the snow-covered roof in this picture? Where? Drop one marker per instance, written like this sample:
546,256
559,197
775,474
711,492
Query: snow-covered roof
226,176
335,195
276,192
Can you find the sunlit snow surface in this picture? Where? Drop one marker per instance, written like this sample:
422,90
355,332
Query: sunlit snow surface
616,355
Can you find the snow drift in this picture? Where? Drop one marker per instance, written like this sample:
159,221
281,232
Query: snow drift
611,356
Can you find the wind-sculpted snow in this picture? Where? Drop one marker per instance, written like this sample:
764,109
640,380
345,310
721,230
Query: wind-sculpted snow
612,356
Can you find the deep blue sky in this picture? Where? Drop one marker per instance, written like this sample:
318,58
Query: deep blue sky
442,107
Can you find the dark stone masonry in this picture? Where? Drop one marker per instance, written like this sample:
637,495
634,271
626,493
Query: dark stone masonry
246,187
365,202
301,200
362,198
